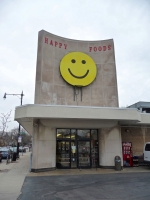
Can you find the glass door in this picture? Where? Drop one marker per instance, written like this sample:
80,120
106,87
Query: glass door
84,156
73,154
63,154
94,153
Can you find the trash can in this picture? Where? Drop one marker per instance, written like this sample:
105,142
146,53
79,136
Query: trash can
117,163
14,156
135,161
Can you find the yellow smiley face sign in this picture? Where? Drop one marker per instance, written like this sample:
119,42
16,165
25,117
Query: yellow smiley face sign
78,69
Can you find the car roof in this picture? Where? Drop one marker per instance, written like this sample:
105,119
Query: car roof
4,149
147,143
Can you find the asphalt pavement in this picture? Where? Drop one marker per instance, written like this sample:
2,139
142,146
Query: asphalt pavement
119,186
16,182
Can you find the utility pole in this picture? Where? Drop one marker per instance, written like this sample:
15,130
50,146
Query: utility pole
21,98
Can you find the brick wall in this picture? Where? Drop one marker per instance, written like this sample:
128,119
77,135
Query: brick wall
138,136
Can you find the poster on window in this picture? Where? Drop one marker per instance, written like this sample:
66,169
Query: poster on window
127,154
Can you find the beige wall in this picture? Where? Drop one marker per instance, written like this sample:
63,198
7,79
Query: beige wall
109,146
44,148
52,89
138,136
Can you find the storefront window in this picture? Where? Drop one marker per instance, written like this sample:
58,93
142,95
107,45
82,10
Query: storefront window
77,148
94,134
83,134
73,134
63,133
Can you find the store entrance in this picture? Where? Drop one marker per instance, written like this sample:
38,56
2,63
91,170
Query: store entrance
63,154
84,154
76,148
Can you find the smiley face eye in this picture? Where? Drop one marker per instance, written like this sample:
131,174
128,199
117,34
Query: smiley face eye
83,61
73,60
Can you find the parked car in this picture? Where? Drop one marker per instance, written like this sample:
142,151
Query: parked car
26,148
22,149
5,152
146,153
13,149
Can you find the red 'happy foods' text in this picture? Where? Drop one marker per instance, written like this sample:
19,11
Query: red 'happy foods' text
64,46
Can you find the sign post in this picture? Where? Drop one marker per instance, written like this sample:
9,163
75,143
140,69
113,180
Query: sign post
19,139
21,133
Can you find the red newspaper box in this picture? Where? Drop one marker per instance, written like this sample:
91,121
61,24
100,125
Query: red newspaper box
127,154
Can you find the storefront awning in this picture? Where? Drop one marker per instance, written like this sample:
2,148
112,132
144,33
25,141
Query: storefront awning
74,116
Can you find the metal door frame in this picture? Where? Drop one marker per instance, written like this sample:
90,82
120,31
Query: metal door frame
80,167
69,167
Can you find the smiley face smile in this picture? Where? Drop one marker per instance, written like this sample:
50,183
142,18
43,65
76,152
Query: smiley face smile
78,76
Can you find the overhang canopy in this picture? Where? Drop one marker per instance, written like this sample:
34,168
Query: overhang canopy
61,116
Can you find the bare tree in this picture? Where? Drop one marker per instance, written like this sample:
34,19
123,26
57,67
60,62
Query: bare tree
26,137
11,137
4,120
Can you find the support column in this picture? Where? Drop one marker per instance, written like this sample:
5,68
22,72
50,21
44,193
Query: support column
110,145
44,149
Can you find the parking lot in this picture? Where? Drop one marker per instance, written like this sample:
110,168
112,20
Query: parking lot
17,182
119,186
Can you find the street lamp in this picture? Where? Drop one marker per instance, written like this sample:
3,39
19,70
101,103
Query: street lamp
19,124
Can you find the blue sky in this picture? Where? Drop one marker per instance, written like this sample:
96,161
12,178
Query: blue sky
127,22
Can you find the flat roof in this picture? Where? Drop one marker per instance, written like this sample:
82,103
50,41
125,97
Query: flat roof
80,112
63,116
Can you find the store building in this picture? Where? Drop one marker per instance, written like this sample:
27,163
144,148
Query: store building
138,134
75,120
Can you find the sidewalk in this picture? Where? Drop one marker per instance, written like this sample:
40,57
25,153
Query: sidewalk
12,177
66,172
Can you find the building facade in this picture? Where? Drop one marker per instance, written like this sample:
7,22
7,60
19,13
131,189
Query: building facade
75,120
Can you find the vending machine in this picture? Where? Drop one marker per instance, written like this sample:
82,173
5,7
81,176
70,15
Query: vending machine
127,154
